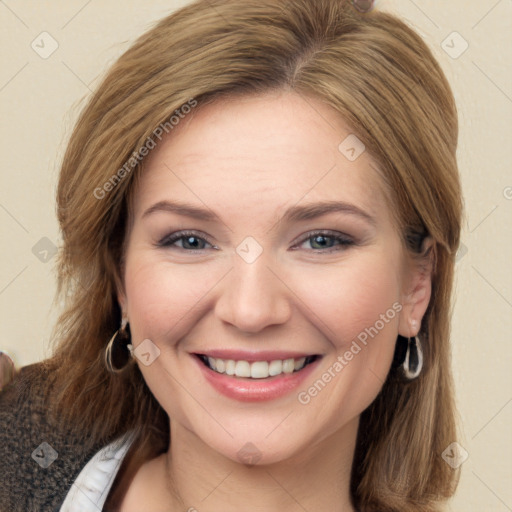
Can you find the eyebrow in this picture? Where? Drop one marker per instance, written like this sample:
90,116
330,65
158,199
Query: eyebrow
294,213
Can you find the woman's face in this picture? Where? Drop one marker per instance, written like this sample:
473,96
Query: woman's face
261,237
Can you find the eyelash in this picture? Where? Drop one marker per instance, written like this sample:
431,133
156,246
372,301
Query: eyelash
343,240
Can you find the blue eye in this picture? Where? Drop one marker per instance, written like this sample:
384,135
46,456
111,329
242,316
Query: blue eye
189,241
327,241
321,241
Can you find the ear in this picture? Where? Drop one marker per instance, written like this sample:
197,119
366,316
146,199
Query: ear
121,299
417,290
121,295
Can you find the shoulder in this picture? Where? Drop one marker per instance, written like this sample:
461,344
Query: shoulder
39,458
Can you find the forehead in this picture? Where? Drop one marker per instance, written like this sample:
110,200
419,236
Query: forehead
260,152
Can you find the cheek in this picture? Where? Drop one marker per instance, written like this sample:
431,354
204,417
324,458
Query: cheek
351,296
163,299
164,303
356,307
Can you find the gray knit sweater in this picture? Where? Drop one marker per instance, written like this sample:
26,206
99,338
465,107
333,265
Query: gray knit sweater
38,460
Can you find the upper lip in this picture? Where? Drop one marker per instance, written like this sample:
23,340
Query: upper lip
254,355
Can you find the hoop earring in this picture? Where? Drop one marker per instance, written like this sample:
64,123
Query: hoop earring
119,349
408,356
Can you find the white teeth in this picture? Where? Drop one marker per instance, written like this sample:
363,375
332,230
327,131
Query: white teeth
299,363
275,368
220,365
230,367
288,365
257,369
243,369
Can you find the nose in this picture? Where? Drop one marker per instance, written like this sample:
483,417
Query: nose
253,297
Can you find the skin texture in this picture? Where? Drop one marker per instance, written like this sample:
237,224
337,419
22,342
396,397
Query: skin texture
248,160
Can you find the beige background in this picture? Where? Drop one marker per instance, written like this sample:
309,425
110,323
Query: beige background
40,99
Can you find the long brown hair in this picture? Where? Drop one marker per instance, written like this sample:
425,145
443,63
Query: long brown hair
384,82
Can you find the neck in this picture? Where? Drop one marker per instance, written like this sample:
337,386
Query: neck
201,479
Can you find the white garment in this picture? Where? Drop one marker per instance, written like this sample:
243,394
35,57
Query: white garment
91,487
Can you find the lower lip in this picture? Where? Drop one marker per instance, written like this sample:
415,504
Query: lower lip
255,390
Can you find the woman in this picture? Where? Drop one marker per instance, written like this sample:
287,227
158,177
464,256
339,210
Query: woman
260,209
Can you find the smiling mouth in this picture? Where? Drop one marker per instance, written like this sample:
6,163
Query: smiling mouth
256,369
